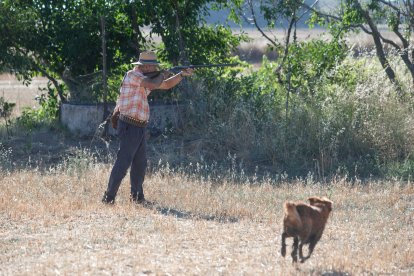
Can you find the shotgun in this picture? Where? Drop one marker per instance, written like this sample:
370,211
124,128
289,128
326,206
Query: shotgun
177,69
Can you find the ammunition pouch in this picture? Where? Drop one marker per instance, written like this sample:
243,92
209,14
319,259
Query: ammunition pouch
114,119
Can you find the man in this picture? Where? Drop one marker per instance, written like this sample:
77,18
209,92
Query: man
133,107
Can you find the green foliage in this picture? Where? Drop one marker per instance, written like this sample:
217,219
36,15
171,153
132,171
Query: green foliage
402,170
218,43
49,102
6,110
370,17
46,113
181,27
272,11
62,40
308,61
351,14
347,127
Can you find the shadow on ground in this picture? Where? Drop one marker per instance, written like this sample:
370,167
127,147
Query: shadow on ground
168,211
49,146
335,273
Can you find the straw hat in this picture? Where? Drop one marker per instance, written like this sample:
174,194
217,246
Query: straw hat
147,57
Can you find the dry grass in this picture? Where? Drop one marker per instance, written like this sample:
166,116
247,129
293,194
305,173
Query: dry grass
53,223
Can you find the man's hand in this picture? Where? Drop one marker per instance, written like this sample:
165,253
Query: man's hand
187,72
176,79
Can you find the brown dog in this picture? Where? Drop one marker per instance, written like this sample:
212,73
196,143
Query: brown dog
305,223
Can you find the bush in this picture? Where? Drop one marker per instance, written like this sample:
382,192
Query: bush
46,113
355,123
6,110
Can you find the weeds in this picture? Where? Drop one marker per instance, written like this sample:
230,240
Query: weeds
6,160
352,121
6,110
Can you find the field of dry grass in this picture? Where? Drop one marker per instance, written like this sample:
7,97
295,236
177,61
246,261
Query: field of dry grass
53,223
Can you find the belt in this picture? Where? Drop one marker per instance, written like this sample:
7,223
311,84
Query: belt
133,121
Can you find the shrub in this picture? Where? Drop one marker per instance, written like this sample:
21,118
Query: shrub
355,122
6,110
46,113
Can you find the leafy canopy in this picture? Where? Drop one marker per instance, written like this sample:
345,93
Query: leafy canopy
62,40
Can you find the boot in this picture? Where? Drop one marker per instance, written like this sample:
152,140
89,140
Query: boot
138,199
107,199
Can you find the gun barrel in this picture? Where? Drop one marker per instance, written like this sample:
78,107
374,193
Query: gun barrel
203,66
213,65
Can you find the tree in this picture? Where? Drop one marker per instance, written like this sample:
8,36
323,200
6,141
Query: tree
367,16
60,39
300,64
182,28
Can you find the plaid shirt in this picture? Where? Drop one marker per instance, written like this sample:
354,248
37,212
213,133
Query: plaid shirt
132,99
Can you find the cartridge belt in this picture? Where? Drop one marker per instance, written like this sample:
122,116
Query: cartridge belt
133,121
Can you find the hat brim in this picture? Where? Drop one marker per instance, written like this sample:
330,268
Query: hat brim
146,63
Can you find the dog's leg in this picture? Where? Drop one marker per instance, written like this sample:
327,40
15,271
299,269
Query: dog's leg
283,249
301,250
312,244
295,249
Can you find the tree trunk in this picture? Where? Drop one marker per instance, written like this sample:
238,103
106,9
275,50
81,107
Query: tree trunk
104,77
136,30
378,45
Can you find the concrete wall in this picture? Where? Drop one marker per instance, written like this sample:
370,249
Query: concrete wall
86,120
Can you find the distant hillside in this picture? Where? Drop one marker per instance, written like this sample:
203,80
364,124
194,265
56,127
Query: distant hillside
221,17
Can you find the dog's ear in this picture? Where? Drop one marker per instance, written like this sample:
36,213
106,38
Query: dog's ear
317,201
314,200
289,205
328,203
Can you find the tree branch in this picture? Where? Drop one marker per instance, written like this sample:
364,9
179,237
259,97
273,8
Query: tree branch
286,52
136,30
388,3
378,45
44,73
308,8
257,25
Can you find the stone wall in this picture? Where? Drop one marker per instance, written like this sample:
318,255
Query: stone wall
86,119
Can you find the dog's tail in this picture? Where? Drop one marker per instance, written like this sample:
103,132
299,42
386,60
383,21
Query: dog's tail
292,218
